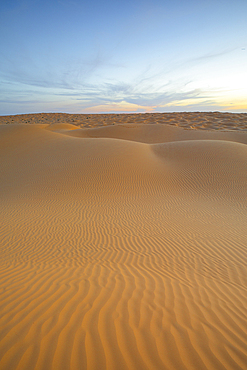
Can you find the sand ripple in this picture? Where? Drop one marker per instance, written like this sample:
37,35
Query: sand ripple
125,251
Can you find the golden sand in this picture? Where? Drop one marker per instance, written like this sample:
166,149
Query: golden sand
123,241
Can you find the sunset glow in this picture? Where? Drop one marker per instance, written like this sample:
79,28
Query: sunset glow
73,56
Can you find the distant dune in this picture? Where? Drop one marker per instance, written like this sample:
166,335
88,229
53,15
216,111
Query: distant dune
123,241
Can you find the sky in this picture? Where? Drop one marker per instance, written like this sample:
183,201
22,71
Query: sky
112,56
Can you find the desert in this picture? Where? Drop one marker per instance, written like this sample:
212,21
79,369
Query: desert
123,241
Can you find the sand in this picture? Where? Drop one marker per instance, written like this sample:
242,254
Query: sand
123,241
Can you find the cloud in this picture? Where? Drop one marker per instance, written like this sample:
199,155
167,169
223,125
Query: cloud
95,85
50,72
122,106
214,55
106,97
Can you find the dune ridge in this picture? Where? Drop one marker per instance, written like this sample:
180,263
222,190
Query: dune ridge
122,247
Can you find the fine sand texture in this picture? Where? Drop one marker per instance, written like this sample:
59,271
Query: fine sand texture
123,241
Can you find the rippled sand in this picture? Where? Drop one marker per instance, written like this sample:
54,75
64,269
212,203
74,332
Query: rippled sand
123,241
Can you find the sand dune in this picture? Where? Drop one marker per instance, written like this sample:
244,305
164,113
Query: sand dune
151,134
122,247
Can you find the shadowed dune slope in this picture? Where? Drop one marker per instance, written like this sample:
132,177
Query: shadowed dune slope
122,254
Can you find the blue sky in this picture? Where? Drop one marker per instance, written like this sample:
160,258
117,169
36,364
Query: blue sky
81,56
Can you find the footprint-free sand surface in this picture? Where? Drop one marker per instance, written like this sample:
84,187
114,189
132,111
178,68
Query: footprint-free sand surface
123,241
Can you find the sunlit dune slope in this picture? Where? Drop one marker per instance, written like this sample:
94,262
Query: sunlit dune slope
122,248
151,133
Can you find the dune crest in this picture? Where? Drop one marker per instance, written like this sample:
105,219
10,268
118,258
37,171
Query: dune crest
152,134
122,247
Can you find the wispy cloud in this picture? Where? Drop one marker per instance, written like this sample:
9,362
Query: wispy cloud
212,55
83,84
50,72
